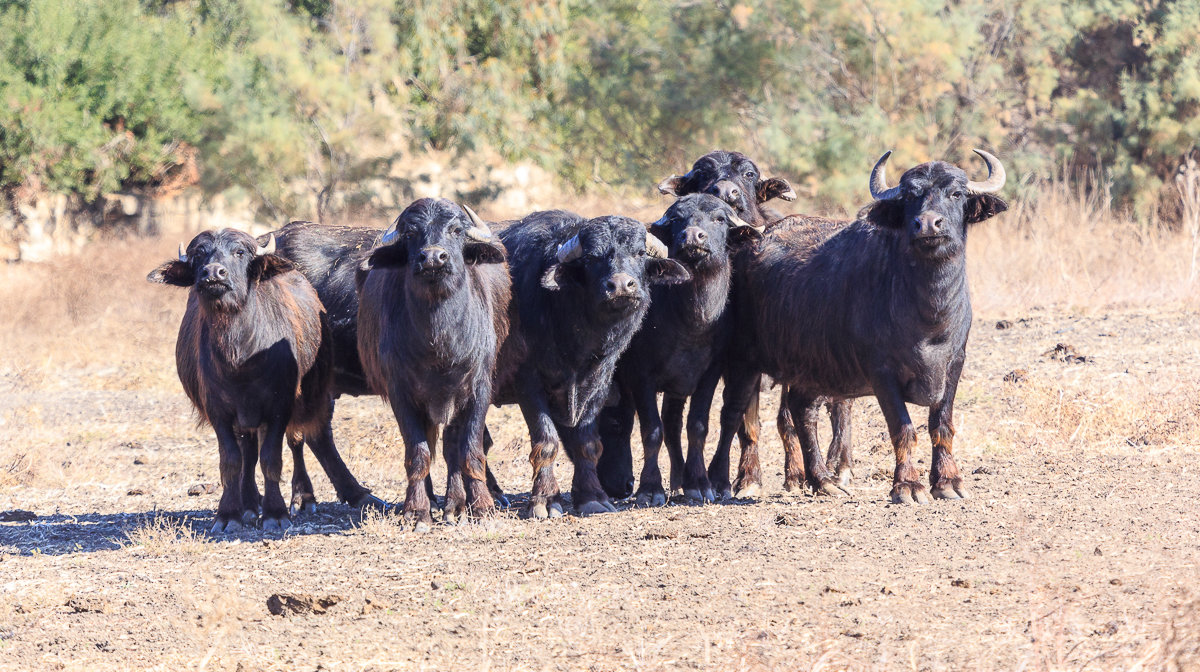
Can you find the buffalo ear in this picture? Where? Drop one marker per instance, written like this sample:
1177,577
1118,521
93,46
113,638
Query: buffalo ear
888,214
672,185
663,233
983,206
386,257
476,252
775,187
743,236
267,266
559,274
666,271
177,273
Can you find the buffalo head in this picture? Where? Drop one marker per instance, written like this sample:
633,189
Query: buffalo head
222,267
733,178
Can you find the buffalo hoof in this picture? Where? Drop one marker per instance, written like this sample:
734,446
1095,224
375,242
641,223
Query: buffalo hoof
595,506
793,484
749,491
276,524
949,489
368,501
249,516
303,503
828,488
651,499
501,499
454,518
226,527
909,492
844,477
422,527
700,495
541,510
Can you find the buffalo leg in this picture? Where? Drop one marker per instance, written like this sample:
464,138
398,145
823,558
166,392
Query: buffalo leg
319,438
303,497
807,410
466,465
251,498
740,390
498,496
431,434
230,508
749,473
650,488
545,499
270,458
906,480
697,484
583,447
945,482
841,454
672,419
793,457
615,468
414,430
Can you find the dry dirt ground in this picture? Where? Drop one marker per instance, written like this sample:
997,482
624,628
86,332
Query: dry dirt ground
1078,549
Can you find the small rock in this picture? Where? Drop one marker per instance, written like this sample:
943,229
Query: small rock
17,516
784,518
370,605
1115,582
1067,354
982,470
286,604
887,590
1097,551
135,492
962,583
1016,376
139,460
660,534
435,584
202,489
95,604
1004,324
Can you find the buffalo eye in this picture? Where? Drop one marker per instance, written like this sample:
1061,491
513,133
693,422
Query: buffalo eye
240,253
750,175
457,230
641,253
956,195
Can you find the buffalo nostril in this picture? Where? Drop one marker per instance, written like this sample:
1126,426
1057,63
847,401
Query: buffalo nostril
221,273
630,284
701,236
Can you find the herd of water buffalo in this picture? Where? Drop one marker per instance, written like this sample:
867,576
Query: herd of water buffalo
582,323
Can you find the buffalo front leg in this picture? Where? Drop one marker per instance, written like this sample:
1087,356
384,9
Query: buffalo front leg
545,499
672,419
650,490
841,455
303,497
230,508
945,481
793,456
741,387
251,498
466,465
583,446
275,511
906,480
493,485
414,430
615,468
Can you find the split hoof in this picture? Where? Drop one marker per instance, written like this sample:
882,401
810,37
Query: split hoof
248,517
542,510
793,485
226,527
750,491
275,524
844,478
909,492
651,499
828,488
422,527
952,489
303,504
596,506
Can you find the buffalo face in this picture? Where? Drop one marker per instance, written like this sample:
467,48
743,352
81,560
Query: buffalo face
934,203
222,267
436,240
699,230
733,178
613,260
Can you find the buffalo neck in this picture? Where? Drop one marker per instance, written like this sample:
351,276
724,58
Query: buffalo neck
704,297
441,315
934,290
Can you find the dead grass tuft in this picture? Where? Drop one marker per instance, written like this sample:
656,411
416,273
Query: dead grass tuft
161,535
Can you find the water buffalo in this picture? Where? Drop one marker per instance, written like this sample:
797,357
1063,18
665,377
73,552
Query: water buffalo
679,351
580,291
878,306
432,313
254,357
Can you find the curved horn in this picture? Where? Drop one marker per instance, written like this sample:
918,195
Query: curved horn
570,250
662,221
391,233
655,247
738,221
269,248
995,179
182,253
479,229
879,188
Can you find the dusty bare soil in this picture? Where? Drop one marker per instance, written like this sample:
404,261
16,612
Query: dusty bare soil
1077,550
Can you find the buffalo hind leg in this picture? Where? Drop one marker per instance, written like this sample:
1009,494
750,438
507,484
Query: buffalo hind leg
807,410
749,476
793,457
498,496
303,497
319,437
740,388
945,481
841,454
650,490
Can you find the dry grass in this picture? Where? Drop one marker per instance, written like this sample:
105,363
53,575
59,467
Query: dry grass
159,535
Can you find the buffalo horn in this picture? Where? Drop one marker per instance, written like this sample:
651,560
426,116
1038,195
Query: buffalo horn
182,253
879,188
269,248
479,229
570,250
655,247
995,178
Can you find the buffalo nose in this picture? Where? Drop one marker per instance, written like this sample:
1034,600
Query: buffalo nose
694,235
620,283
726,191
215,272
434,257
928,224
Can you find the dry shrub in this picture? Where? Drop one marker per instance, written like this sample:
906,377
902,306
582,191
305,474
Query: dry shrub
166,535
1063,246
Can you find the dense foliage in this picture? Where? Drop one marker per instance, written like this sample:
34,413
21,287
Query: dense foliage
299,103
